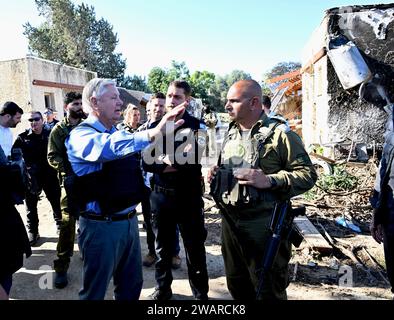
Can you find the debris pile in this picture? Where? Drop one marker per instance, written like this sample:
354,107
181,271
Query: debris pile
338,207
331,250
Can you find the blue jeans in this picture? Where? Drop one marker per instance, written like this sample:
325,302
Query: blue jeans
110,249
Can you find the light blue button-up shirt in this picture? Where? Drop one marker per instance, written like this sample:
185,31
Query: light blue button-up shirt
88,149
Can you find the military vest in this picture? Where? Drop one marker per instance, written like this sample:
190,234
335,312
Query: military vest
117,186
242,150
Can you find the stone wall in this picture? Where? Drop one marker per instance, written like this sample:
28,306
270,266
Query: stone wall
40,69
14,83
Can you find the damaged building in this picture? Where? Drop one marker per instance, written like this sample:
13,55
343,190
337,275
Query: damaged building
348,77
36,84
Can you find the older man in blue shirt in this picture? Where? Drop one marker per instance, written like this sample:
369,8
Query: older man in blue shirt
108,184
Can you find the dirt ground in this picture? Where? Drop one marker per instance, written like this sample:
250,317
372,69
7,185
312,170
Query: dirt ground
312,276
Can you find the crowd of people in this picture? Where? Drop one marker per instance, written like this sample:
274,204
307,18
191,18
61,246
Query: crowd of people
95,169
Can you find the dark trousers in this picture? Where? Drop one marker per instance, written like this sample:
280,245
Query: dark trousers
243,245
65,244
388,244
146,212
51,187
388,239
6,283
186,211
150,235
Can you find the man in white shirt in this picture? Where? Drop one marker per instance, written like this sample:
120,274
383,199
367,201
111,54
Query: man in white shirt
14,243
10,116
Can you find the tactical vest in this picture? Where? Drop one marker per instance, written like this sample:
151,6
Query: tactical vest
15,178
225,188
117,186
66,129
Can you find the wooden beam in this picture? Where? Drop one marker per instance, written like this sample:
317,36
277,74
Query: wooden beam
283,76
330,161
57,85
320,54
312,236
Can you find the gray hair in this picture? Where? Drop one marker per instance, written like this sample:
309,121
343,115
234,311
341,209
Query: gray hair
94,88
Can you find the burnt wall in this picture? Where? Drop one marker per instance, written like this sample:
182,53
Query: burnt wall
351,118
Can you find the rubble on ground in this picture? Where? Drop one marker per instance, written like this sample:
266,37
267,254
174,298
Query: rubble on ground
354,252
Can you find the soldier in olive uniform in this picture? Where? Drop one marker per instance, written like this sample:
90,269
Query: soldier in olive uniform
57,158
262,162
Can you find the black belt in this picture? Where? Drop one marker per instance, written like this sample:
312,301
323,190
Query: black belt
114,217
166,191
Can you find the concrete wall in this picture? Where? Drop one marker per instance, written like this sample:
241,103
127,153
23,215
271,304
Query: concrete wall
40,69
314,90
14,82
373,33
331,113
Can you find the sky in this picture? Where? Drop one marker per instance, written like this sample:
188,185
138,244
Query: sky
214,35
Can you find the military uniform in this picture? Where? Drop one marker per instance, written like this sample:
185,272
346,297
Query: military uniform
57,158
211,120
280,154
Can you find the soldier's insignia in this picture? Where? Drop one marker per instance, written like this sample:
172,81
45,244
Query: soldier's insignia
284,128
240,151
234,149
264,131
201,140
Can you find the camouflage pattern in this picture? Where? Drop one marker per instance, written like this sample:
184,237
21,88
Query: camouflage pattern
280,153
57,158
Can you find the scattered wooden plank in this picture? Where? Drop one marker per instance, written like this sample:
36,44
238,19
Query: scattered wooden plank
312,236
376,266
328,160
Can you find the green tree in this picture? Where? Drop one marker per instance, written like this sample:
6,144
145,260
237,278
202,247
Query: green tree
157,80
278,70
134,83
235,76
218,90
281,68
72,35
201,82
178,71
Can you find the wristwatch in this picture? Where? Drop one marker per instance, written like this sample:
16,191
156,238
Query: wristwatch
273,182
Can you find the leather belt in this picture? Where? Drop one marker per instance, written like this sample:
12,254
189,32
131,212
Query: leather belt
165,191
114,217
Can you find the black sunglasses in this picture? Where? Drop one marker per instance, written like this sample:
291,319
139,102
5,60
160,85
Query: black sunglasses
34,119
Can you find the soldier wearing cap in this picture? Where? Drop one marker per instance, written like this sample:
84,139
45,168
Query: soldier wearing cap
49,118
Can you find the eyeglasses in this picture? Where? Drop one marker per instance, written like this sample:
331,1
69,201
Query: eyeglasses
34,119
77,103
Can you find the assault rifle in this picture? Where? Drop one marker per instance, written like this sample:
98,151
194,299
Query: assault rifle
282,227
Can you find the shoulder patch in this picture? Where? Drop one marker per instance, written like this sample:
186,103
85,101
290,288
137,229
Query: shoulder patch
284,127
278,117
